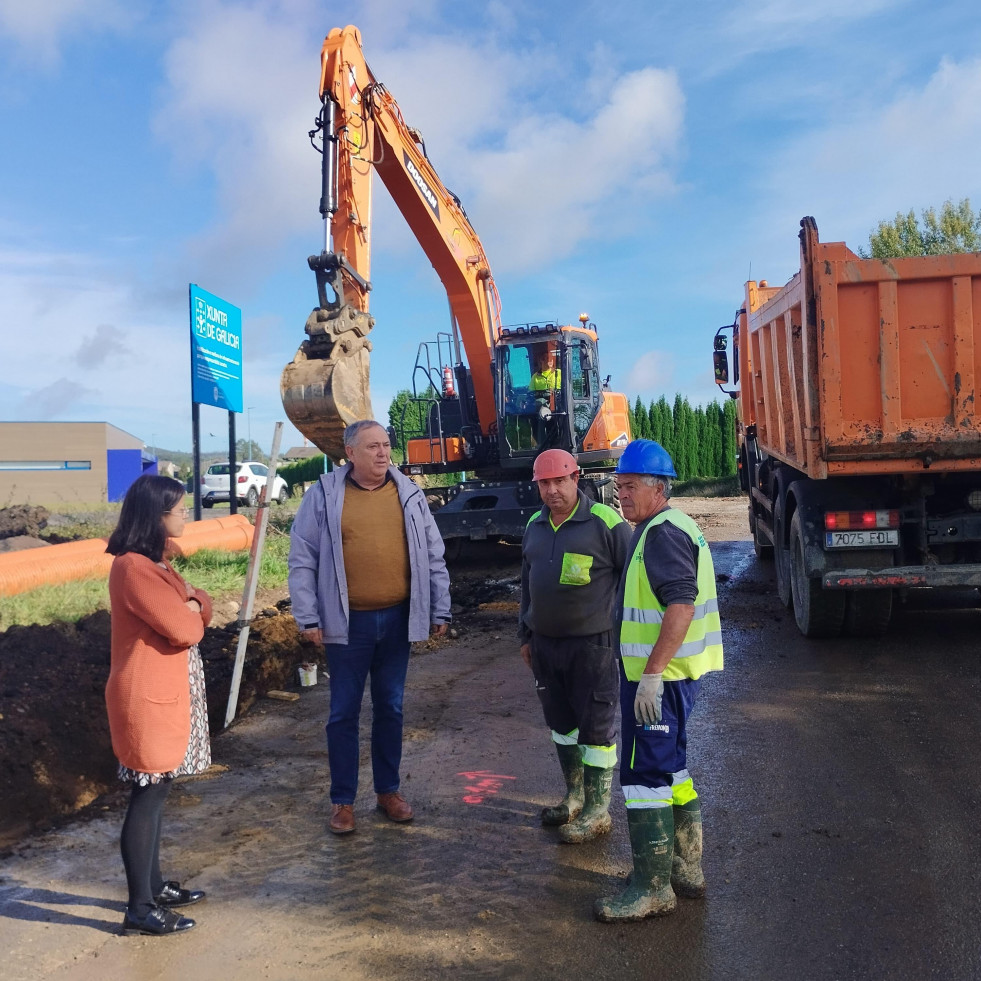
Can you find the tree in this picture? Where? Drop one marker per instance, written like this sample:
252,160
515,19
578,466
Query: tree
729,437
640,421
714,423
666,417
955,229
655,430
684,455
407,417
246,450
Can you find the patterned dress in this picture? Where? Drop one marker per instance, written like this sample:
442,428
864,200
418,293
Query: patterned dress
197,759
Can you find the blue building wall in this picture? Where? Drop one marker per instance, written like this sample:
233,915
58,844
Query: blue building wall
123,467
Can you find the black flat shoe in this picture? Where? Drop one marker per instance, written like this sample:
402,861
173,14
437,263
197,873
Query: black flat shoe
156,923
172,896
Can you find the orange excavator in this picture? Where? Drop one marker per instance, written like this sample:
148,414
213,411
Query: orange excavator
522,389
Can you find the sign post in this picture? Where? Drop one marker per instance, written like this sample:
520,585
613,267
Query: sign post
216,375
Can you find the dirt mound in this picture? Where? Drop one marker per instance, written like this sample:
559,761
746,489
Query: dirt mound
55,752
22,519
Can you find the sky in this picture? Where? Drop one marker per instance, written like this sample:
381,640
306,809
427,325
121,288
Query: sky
635,161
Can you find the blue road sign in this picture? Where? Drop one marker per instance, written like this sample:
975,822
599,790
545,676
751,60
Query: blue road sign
216,351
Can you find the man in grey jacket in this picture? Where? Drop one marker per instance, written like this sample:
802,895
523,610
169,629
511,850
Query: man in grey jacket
367,578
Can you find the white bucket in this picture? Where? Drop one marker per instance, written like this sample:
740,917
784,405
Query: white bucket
308,674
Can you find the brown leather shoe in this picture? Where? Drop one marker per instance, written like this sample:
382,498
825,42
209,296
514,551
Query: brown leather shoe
341,819
395,806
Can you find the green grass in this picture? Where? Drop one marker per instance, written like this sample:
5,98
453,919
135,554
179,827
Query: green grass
708,487
68,601
220,574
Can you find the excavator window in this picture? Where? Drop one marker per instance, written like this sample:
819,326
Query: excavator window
521,395
585,390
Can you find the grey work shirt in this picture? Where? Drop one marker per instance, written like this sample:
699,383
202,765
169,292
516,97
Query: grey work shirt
569,575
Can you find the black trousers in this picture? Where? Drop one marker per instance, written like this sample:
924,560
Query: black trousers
578,681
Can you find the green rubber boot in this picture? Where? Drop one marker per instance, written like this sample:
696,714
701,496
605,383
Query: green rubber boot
686,870
649,891
570,758
595,817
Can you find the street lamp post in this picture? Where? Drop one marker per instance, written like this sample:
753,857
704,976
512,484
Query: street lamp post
248,415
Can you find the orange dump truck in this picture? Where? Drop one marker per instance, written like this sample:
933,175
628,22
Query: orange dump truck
859,431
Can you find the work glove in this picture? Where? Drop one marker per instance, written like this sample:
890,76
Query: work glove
647,702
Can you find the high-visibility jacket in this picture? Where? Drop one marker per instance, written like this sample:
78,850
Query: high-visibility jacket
544,381
701,650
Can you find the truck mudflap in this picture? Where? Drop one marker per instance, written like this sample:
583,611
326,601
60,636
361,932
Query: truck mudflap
966,574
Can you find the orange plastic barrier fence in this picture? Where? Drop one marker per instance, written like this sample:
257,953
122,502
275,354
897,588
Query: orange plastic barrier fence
29,568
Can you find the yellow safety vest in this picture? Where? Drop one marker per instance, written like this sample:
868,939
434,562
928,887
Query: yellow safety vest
701,650
543,381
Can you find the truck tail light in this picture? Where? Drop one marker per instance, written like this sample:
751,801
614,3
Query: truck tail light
857,520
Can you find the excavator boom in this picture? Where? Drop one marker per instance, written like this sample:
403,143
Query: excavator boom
326,386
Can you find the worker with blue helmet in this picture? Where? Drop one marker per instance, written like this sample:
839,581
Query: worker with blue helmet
669,637
646,457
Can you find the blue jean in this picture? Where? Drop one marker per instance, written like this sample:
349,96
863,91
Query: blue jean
377,644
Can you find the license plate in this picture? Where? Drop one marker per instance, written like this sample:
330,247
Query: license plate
860,539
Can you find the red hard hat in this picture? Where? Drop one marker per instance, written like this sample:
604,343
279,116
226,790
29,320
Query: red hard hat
554,463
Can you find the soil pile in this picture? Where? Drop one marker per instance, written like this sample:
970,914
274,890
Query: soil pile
55,752
22,519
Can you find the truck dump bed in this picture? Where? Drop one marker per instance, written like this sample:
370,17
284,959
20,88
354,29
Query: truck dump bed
865,366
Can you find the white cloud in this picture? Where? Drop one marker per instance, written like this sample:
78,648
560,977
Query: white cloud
915,152
106,344
57,310
40,27
242,109
55,399
537,182
753,27
651,374
560,183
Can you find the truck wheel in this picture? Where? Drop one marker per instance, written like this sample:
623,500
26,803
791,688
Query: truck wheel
252,497
867,612
781,558
764,550
819,612
208,504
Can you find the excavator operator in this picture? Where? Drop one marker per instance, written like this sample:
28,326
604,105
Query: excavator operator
546,379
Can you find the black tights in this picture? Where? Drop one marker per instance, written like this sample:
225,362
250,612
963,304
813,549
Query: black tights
140,845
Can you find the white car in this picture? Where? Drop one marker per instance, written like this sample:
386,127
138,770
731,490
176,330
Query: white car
250,479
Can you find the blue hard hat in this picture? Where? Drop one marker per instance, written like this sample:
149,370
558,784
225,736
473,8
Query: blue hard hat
646,456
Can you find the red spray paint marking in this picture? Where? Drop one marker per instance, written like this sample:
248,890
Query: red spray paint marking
483,784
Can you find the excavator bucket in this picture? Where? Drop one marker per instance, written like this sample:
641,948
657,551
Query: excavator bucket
325,387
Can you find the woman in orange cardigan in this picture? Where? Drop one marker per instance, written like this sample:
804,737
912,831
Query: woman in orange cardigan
158,713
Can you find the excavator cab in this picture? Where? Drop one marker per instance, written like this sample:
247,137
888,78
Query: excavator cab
532,403
549,390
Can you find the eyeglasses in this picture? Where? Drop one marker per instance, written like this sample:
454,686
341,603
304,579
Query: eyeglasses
183,512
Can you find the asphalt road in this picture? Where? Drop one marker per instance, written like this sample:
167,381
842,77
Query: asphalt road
840,787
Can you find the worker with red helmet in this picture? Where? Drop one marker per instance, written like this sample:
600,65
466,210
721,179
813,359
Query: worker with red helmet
669,637
572,553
